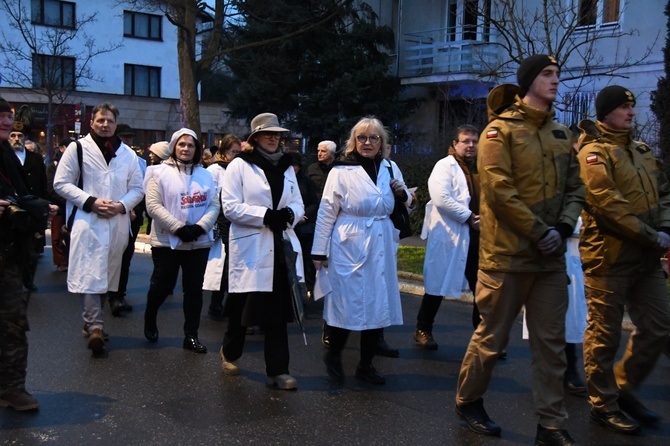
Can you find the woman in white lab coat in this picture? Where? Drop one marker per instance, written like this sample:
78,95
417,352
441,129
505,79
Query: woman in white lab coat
261,198
355,234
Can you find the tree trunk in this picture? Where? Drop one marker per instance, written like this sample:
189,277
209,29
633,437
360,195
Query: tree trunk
188,102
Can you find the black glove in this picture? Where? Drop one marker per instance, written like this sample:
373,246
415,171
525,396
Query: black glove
185,234
277,220
565,230
196,230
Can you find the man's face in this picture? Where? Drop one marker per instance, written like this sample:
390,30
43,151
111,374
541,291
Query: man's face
466,145
104,123
621,118
545,85
16,139
6,124
324,155
127,140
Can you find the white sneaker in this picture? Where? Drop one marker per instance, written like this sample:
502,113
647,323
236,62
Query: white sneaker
283,382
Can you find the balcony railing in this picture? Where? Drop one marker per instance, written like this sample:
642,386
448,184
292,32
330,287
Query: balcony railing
440,52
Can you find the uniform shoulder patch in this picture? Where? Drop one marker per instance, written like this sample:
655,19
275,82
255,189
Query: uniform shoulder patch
559,134
591,159
493,133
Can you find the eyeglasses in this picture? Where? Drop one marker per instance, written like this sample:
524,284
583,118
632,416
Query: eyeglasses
271,134
374,139
467,142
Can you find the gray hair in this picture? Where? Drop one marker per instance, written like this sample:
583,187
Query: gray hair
330,145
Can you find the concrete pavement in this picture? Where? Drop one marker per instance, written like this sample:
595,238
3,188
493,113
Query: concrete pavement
159,394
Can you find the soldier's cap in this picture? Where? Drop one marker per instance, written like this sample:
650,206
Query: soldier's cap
610,98
23,118
530,67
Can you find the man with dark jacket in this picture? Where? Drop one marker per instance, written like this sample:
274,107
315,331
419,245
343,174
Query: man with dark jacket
36,180
531,197
16,252
626,230
318,172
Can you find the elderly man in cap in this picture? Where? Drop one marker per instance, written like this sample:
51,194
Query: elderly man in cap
36,176
626,231
531,197
16,248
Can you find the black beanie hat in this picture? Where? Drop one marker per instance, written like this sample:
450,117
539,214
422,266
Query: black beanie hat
529,68
5,107
610,98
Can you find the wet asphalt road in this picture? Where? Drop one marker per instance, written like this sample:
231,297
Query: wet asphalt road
146,394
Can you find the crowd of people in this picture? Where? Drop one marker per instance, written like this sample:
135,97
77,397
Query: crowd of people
513,211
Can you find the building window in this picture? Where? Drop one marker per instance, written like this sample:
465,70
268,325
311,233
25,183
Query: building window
141,80
53,72
598,12
142,26
468,20
53,13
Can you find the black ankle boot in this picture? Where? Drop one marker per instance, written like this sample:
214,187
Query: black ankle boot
573,382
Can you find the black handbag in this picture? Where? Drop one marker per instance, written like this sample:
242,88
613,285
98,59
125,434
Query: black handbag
64,239
400,215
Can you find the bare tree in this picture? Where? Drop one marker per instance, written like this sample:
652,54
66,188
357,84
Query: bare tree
198,47
555,27
34,56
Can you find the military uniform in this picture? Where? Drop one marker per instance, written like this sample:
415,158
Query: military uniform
529,179
16,251
627,202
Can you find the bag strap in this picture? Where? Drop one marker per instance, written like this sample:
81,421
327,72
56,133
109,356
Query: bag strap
80,182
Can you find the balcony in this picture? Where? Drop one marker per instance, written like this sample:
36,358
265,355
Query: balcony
455,54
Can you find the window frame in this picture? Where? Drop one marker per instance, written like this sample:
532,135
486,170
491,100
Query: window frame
598,22
42,16
132,90
45,59
133,17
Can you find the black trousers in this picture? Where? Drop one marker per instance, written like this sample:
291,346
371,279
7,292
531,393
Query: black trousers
337,339
430,304
167,262
275,346
126,259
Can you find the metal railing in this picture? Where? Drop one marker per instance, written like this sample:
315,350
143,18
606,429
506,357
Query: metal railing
441,52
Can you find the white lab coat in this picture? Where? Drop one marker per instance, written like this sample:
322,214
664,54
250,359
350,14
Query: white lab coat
217,253
245,198
97,244
354,229
445,226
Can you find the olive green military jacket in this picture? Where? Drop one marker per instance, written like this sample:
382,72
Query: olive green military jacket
529,177
627,202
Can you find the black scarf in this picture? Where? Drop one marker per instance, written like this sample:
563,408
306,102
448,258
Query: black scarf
274,173
107,145
370,165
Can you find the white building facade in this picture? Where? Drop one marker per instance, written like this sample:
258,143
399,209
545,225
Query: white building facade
446,51
140,76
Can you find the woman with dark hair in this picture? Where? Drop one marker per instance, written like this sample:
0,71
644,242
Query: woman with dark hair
216,275
181,198
355,234
261,198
